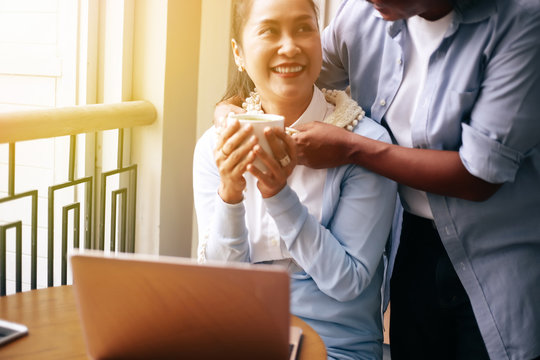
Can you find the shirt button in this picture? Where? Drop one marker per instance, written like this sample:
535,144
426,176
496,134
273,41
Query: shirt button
383,102
399,61
275,241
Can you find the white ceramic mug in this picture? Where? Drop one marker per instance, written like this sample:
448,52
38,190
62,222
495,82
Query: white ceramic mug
259,122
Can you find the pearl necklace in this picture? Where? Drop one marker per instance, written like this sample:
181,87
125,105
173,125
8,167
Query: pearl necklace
347,112
252,104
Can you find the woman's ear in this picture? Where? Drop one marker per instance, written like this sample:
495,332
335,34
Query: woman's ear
237,55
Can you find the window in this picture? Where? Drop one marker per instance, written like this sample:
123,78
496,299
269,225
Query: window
39,68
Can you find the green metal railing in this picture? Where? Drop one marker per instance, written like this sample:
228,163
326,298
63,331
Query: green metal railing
72,182
18,257
122,194
123,200
17,225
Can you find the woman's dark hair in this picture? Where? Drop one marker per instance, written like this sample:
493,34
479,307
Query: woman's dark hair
239,84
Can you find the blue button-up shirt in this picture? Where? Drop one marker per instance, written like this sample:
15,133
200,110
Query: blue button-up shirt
337,288
481,98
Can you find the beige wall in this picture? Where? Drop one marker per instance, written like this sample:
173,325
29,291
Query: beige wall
165,72
149,47
213,67
180,114
330,8
214,59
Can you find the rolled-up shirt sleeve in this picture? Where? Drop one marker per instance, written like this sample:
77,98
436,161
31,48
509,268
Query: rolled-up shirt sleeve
487,158
504,124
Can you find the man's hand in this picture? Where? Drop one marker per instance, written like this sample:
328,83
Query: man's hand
320,145
224,108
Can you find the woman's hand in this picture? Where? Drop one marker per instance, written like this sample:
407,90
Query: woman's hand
279,166
233,154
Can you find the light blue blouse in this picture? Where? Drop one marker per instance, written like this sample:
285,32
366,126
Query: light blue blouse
339,290
481,98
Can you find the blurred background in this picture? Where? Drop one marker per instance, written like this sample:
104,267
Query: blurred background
61,53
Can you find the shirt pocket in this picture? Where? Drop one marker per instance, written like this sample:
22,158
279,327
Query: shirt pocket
446,127
460,104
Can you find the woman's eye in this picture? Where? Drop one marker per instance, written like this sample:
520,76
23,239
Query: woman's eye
268,31
305,28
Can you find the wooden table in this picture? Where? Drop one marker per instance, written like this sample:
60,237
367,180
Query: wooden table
55,333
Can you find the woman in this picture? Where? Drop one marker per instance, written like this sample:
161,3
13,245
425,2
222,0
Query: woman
328,227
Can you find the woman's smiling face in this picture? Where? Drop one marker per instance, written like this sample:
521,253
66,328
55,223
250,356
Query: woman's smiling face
281,49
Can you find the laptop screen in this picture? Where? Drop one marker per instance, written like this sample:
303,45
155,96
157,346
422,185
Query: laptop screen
134,306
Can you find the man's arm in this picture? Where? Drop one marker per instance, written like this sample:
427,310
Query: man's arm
440,172
225,107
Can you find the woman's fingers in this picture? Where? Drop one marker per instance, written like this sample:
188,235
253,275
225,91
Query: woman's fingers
272,166
232,138
237,159
236,139
236,150
276,144
279,165
232,135
283,148
226,132
231,170
290,146
242,166
273,179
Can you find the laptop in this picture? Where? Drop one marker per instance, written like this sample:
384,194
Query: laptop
154,307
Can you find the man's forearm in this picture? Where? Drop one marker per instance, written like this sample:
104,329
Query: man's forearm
435,171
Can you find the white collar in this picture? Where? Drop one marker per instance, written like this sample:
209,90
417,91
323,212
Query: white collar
316,110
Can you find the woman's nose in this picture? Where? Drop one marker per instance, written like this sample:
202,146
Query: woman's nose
288,47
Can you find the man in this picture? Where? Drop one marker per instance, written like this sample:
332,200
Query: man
458,85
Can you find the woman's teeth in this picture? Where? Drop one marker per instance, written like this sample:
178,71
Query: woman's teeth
287,69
